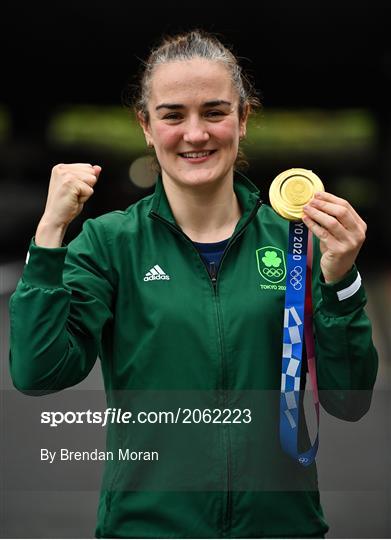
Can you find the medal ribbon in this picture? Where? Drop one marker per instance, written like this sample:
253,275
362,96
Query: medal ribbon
297,326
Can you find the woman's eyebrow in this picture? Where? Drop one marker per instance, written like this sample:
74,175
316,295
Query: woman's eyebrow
213,103
169,106
216,103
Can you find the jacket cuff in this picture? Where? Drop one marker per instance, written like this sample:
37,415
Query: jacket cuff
344,296
44,266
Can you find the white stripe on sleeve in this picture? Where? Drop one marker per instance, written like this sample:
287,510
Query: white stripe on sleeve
343,294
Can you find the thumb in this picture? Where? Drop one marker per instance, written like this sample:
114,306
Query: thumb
97,169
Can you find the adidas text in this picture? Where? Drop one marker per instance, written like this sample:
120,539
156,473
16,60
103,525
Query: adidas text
152,278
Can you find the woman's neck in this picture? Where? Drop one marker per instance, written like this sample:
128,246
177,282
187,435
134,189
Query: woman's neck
204,213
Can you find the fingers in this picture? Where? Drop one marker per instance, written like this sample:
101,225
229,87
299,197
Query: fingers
345,209
315,228
78,171
336,216
82,191
340,212
327,222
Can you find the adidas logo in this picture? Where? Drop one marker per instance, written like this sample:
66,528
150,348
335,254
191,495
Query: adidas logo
156,273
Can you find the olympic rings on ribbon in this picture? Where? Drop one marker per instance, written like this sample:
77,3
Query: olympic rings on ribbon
296,278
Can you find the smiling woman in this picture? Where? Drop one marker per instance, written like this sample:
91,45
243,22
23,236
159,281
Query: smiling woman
193,105
184,291
196,140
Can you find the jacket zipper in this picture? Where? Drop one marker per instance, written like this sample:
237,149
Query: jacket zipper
227,512
213,273
227,517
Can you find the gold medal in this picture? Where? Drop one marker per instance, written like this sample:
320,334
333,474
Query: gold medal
293,189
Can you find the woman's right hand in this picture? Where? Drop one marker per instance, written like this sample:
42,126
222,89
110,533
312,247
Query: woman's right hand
71,185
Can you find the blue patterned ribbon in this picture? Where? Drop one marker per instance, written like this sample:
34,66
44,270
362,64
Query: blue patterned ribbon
292,349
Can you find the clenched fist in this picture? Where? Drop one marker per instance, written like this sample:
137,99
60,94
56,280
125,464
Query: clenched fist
71,185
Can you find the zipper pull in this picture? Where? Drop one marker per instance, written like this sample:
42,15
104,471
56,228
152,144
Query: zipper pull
212,271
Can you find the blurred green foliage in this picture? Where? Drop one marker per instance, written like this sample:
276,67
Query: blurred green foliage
310,130
111,128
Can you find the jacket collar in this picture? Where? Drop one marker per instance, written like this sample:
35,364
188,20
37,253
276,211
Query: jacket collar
246,191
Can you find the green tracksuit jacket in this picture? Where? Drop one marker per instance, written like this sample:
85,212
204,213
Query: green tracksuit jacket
218,343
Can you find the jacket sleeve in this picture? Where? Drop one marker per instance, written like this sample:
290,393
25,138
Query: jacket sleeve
58,311
346,358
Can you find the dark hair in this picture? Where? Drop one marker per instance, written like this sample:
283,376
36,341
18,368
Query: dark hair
187,46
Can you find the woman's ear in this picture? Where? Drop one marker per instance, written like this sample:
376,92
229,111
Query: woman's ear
243,121
142,120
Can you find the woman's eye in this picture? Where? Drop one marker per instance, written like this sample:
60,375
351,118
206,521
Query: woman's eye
172,116
214,113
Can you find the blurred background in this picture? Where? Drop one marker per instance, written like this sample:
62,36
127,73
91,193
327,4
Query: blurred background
323,71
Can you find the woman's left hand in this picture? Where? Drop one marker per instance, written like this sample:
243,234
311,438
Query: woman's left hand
340,230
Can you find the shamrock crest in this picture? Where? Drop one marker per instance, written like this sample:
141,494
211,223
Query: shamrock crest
271,259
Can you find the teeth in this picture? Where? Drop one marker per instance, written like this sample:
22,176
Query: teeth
195,154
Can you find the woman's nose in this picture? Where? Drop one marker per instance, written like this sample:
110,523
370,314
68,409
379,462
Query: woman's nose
195,132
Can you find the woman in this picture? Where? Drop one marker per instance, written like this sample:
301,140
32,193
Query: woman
168,293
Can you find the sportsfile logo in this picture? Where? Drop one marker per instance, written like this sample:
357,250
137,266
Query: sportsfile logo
156,273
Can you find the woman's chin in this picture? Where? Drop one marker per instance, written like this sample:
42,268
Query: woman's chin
199,178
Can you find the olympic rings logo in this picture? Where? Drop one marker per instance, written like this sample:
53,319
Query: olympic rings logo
272,272
303,460
296,278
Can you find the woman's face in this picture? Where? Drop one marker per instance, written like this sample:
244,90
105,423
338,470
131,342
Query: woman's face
194,122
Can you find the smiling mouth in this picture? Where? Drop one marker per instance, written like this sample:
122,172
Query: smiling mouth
197,155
